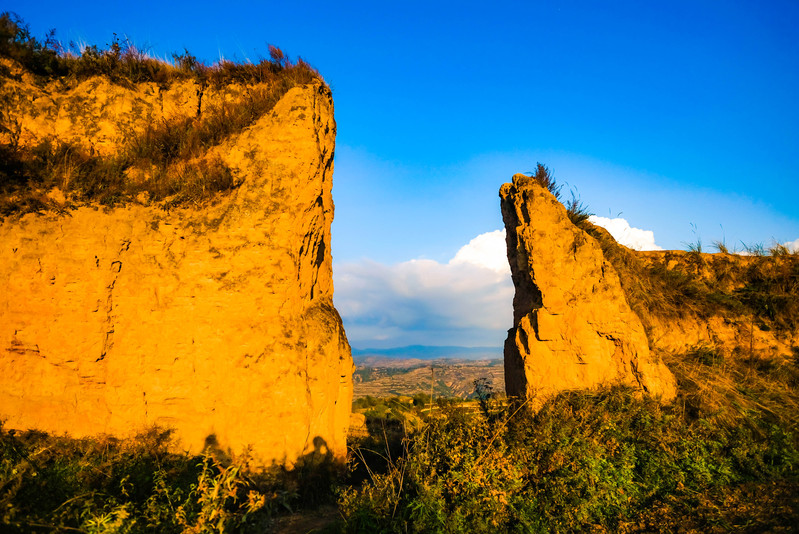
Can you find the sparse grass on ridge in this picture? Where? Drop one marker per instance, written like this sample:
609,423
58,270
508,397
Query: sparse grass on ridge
546,178
171,155
123,63
577,211
761,286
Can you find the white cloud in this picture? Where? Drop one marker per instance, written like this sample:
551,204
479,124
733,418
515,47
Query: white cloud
486,250
620,229
467,301
793,246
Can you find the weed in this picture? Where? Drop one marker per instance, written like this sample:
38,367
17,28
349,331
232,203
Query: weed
17,43
705,355
545,177
756,249
109,485
577,211
679,285
695,247
721,246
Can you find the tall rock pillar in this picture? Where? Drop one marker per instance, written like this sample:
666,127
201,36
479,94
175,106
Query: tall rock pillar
573,327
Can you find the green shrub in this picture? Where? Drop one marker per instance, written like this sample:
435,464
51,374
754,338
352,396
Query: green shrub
109,485
601,460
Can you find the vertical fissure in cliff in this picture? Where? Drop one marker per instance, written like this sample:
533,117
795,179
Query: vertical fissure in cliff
116,268
528,295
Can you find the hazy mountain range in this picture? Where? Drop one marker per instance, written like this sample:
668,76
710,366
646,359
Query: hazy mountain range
424,352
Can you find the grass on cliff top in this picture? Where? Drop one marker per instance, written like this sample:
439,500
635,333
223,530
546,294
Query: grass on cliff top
123,63
577,210
168,159
762,287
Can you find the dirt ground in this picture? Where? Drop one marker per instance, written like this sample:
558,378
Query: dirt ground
317,521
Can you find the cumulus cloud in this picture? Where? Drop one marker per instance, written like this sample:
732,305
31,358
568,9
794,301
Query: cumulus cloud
467,301
793,246
620,229
486,250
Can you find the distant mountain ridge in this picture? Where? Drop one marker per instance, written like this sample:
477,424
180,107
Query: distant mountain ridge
426,352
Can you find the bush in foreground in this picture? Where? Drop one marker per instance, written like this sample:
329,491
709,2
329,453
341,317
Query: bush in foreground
723,457
60,484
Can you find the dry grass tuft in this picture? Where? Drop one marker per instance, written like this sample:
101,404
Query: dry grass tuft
726,391
544,176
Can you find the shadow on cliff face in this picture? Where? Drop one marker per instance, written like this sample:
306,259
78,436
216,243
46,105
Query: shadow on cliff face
309,482
314,476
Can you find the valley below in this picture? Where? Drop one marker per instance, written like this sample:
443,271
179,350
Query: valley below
446,378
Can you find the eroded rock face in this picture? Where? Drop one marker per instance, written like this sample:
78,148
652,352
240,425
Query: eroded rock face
573,328
731,332
735,305
216,322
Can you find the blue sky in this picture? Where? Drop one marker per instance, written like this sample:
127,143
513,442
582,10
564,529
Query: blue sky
679,117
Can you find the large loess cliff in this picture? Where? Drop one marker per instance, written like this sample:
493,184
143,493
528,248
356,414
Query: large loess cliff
573,327
211,317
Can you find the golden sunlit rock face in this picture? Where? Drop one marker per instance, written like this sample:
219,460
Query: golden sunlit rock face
738,332
735,305
97,113
573,327
215,321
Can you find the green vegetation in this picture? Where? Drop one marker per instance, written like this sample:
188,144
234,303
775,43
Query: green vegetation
52,484
168,161
762,286
544,176
399,406
122,62
577,210
601,461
